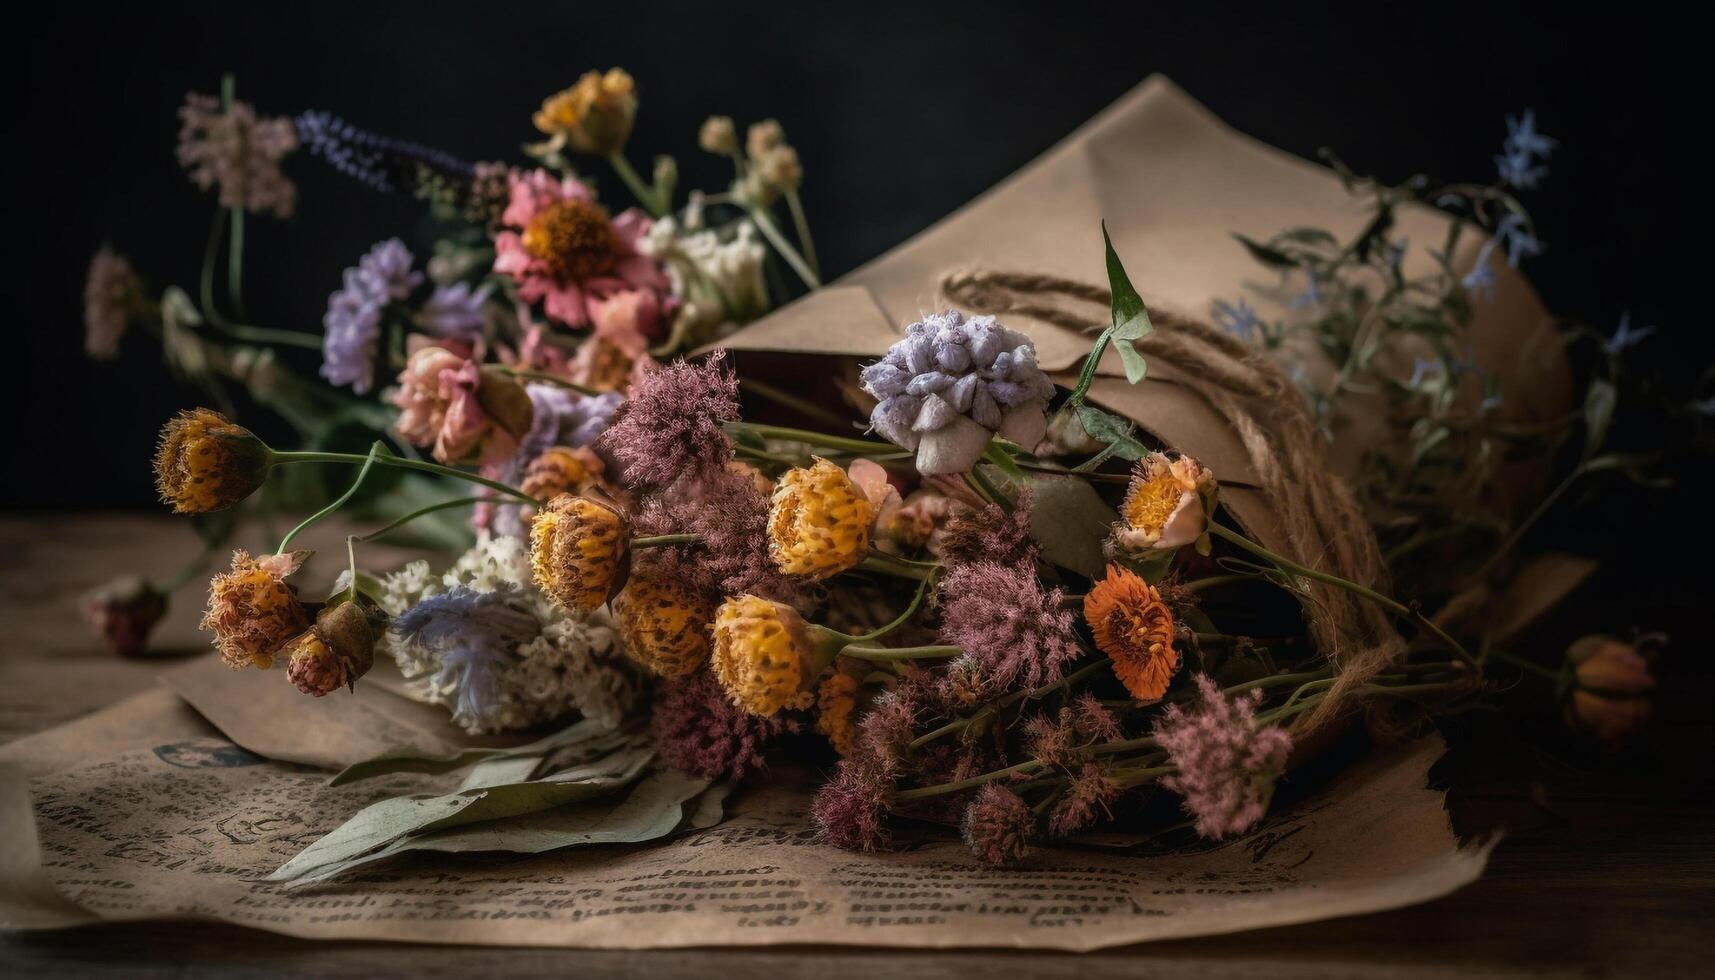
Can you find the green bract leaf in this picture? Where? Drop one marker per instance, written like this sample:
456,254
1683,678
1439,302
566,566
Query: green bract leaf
1127,304
1112,430
1135,366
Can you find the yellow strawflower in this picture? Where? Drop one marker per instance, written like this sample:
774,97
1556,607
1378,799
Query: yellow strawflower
664,622
818,521
578,551
207,462
764,655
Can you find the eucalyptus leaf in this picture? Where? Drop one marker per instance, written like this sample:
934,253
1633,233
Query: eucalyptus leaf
653,808
415,760
384,823
1069,521
1266,254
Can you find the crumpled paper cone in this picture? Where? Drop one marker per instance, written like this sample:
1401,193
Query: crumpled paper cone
1173,184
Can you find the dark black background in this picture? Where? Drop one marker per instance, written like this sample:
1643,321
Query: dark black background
901,112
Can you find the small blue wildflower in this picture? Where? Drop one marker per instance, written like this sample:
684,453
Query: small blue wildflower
1517,162
476,635
1481,279
1516,238
1239,319
353,319
1624,336
1421,370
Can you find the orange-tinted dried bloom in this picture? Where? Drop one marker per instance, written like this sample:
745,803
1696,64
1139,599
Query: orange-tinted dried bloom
578,551
1609,699
252,612
594,116
1135,628
764,655
1167,505
664,622
562,469
207,462
836,702
818,521
334,653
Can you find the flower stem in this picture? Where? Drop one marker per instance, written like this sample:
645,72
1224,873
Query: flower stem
883,563
900,620
400,462
885,654
1392,605
645,194
663,540
419,512
552,379
958,724
796,206
771,231
336,503
859,446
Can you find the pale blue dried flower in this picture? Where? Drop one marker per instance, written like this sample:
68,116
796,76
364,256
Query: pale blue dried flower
1517,162
1481,279
454,312
1312,295
1512,234
476,635
1624,336
951,384
1239,319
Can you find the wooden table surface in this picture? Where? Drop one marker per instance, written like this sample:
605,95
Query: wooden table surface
1606,869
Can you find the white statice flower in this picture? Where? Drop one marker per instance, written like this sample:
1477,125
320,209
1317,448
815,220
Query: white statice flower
717,275
483,641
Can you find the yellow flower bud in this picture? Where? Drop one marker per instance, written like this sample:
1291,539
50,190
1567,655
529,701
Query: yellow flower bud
252,612
594,116
664,622
207,462
764,655
818,521
578,551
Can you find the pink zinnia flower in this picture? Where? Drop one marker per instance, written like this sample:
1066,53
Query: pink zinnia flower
1227,765
565,252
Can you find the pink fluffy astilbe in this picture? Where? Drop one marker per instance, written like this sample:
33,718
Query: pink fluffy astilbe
1227,765
1092,721
998,825
669,429
699,731
1088,798
849,811
731,514
235,150
1001,616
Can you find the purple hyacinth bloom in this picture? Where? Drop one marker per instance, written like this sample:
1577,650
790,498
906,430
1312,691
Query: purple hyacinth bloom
454,312
951,384
353,318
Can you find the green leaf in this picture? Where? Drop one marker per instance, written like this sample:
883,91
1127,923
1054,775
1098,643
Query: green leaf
384,823
584,732
1266,254
1112,430
657,805
1069,521
1599,404
1127,304
1135,366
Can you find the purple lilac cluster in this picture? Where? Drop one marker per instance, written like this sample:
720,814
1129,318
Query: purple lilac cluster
353,319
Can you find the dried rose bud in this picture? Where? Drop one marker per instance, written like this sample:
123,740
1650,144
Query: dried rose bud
334,653
1612,683
124,611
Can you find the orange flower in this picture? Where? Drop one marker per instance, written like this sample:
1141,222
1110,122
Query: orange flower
1134,627
207,462
594,115
1609,699
252,612
836,702
665,622
579,549
818,521
1167,505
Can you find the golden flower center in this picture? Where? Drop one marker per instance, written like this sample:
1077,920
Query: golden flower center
1152,502
575,238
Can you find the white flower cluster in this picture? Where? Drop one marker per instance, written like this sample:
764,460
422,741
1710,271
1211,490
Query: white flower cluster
719,280
576,661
